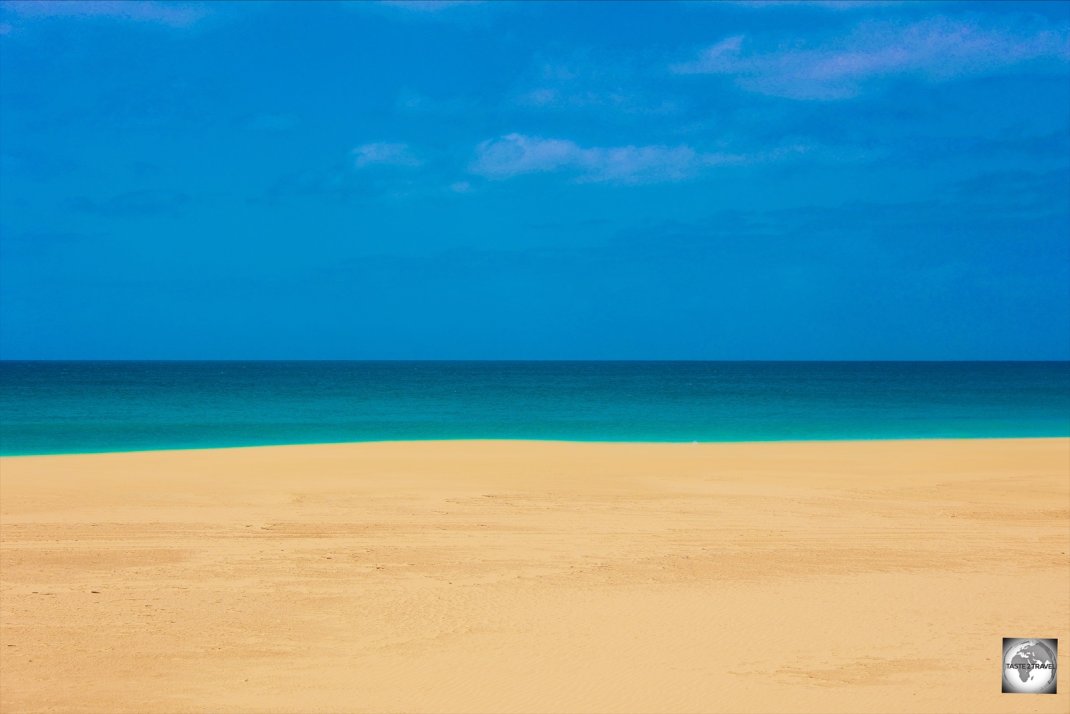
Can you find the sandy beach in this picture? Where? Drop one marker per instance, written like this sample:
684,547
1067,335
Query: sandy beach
476,576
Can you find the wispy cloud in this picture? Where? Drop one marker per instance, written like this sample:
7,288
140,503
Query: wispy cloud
171,14
819,4
584,83
936,50
354,177
384,154
463,11
546,97
515,154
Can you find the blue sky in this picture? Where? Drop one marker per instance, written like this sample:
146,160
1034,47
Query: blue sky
734,180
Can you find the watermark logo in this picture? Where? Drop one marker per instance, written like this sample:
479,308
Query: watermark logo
1029,666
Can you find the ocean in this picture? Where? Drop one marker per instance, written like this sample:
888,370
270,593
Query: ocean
81,407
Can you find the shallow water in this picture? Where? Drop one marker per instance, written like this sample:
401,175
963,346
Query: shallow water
71,407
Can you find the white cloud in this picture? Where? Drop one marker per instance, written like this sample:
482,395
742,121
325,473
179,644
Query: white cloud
936,50
515,154
384,154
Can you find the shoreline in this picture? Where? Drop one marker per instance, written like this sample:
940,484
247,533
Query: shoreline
492,440
496,576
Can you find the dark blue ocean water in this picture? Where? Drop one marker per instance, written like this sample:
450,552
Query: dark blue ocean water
64,407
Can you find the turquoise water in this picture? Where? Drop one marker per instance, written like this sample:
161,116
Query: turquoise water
74,407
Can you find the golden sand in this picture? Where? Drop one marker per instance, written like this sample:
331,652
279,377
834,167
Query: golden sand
533,577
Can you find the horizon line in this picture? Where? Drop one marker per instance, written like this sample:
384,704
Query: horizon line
521,361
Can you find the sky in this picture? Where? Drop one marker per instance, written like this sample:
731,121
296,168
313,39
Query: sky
490,180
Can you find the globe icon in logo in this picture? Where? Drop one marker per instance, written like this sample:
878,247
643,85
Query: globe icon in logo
1029,666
